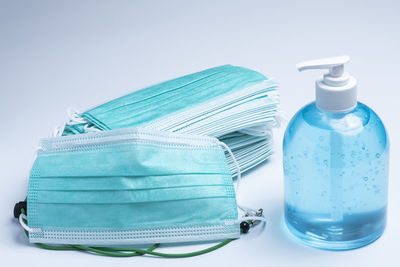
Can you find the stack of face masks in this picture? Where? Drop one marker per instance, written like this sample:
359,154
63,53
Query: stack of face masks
153,166
234,104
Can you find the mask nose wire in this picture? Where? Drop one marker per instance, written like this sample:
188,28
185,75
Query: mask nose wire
249,213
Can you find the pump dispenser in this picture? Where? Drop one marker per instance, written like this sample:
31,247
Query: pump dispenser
335,159
336,91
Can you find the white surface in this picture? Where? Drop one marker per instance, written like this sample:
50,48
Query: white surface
56,54
336,90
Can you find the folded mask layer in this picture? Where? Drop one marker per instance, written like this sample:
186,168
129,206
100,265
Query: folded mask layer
131,186
215,102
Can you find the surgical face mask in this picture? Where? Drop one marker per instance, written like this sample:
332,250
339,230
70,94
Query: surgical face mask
131,186
159,106
226,102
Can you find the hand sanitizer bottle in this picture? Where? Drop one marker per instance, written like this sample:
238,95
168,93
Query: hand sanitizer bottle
335,160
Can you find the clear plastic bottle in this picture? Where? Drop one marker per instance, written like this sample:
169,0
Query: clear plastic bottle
336,174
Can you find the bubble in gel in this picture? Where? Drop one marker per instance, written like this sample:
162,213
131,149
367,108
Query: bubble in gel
365,178
378,155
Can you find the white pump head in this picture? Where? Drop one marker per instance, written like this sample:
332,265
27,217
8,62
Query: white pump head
336,91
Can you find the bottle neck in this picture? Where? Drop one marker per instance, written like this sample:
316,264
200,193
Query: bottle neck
336,99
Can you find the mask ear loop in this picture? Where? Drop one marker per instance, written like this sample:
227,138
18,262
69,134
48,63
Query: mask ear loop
22,218
251,216
74,119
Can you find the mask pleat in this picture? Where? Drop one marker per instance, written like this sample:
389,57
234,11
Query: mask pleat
107,183
134,195
142,215
125,160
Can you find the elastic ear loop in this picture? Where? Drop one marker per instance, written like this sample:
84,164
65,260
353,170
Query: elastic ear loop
250,214
74,119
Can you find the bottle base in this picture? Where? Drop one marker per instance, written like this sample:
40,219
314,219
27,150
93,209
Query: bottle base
317,242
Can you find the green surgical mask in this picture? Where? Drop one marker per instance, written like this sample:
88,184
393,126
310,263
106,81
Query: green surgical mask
131,186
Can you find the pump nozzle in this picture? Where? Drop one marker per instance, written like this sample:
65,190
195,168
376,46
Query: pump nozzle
336,90
334,64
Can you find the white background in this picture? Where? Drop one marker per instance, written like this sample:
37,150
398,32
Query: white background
57,54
